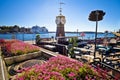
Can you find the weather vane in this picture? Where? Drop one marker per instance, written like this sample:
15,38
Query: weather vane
61,7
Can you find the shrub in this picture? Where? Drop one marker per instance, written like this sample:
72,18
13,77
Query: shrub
37,39
16,47
60,68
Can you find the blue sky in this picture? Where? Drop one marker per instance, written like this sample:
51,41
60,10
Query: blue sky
43,13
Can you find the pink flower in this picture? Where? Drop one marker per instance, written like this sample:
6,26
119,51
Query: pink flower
62,68
15,47
21,78
71,74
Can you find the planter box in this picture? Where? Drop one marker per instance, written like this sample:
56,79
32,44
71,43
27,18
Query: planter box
19,58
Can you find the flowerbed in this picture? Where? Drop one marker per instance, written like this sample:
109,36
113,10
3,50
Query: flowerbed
16,47
61,68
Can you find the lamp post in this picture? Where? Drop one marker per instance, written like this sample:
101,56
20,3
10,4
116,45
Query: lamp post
77,32
96,16
96,33
23,32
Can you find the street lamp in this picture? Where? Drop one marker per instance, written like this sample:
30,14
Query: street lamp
23,29
96,16
77,32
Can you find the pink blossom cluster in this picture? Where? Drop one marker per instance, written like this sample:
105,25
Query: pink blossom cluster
16,47
4,42
22,48
60,68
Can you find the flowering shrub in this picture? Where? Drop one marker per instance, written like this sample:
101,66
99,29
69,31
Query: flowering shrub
2,41
60,68
16,47
22,48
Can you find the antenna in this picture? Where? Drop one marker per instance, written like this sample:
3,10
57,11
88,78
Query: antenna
61,7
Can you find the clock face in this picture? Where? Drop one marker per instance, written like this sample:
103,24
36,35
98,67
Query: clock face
63,21
58,20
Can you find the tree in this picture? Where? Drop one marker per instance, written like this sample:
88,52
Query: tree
72,44
37,39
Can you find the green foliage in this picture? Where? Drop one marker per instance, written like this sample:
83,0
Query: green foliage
4,29
38,38
72,44
73,41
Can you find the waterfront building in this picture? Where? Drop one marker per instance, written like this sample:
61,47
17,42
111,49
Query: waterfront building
22,29
38,29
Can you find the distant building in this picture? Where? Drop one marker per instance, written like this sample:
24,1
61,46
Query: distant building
28,30
37,29
25,30
22,29
15,28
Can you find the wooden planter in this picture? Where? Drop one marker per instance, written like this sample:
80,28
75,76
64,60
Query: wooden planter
19,58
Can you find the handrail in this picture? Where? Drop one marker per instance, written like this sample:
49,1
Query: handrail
103,64
110,67
113,55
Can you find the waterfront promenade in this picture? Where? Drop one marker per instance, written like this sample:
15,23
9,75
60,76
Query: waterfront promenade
88,57
30,42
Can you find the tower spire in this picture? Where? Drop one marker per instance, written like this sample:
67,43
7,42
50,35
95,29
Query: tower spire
60,9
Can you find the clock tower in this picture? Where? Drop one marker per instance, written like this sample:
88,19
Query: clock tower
60,21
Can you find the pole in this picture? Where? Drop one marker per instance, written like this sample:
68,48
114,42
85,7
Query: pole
77,32
23,33
96,33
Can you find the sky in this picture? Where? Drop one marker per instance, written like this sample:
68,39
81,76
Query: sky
28,13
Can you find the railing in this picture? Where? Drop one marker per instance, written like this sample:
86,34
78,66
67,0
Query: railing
106,66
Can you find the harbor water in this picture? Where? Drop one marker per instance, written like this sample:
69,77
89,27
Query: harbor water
26,37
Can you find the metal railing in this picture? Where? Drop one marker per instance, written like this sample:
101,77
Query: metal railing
104,65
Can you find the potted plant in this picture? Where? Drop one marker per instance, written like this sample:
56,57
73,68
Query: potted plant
72,44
